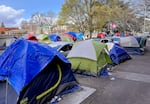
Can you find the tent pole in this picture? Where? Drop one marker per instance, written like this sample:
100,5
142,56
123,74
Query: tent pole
6,97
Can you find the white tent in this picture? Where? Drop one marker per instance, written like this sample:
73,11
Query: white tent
129,41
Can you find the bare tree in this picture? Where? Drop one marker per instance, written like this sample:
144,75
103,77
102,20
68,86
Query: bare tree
142,12
44,19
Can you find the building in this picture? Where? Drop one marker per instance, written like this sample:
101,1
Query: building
3,30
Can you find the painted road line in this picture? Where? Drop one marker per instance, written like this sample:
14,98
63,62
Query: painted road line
132,76
77,97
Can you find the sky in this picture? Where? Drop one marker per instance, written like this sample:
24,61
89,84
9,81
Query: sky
12,12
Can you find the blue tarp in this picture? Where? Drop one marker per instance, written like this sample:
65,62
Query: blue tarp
54,37
24,59
118,54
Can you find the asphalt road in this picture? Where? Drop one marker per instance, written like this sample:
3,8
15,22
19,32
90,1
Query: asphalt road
131,84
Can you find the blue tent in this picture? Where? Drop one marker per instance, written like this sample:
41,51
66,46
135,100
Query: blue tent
138,39
115,39
117,53
73,34
54,37
36,71
79,36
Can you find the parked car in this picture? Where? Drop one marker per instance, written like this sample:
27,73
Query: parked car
62,47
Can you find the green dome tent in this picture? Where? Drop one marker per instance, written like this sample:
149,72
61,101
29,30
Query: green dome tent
66,39
45,39
89,57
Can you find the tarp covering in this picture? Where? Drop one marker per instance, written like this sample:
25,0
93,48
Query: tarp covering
32,68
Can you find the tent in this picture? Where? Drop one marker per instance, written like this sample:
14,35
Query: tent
80,36
89,57
115,39
76,36
45,39
32,37
138,38
101,35
117,53
73,34
129,41
117,33
54,37
69,36
36,71
66,38
131,45
142,41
